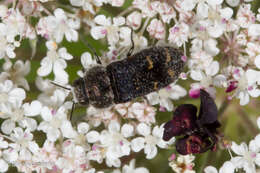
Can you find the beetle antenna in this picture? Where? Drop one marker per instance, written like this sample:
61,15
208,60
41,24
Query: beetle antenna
132,42
72,109
60,86
91,49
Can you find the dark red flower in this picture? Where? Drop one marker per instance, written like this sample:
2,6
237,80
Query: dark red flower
199,132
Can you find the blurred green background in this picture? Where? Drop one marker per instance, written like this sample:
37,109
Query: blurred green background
238,123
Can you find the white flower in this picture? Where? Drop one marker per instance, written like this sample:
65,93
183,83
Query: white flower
22,150
134,20
88,5
55,61
65,26
16,25
47,154
116,3
247,157
149,140
179,34
131,168
145,7
115,143
10,96
107,29
16,72
183,164
245,17
73,158
207,79
247,84
165,96
227,167
21,115
52,96
55,122
156,29
233,3
166,11
58,26
142,112
3,164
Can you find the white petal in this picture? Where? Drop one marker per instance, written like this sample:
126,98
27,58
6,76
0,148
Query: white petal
227,167
119,21
239,149
127,130
98,32
137,144
257,61
258,123
32,109
114,126
143,129
46,67
150,151
214,2
233,3
202,10
46,114
210,169
8,126
213,68
67,129
211,47
53,134
3,166
92,136
83,128
153,98
17,94
254,30
244,98
102,20
86,60
196,75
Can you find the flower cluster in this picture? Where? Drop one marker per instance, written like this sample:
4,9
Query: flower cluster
221,45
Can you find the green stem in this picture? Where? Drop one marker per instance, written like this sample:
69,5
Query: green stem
223,107
246,121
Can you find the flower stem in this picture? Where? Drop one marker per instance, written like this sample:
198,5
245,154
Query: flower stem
223,107
247,122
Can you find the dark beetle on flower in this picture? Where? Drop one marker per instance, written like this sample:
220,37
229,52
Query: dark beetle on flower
199,133
121,81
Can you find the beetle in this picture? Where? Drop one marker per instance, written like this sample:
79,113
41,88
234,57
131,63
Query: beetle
124,80
198,133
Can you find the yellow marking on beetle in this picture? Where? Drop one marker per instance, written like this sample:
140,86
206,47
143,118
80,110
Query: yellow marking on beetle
150,62
155,85
168,56
171,73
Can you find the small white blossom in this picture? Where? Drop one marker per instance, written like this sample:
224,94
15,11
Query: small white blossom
165,96
16,72
55,61
183,164
149,141
227,167
134,20
115,143
131,168
55,123
247,157
107,29
156,29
